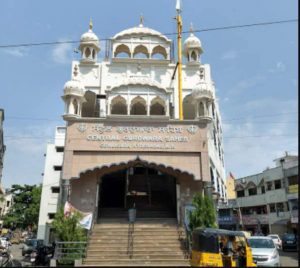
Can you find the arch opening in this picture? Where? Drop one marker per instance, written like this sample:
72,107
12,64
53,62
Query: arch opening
122,51
138,106
119,106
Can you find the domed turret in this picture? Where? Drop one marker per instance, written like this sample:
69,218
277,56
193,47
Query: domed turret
203,98
89,45
73,95
192,47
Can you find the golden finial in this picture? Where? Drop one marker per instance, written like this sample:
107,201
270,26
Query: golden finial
141,20
91,24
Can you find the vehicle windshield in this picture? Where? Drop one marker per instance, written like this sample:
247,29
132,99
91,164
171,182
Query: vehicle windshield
31,243
289,236
261,243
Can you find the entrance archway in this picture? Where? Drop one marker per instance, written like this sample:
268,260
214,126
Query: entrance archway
151,191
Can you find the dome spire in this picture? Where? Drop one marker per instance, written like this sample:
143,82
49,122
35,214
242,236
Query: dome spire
141,20
91,24
191,28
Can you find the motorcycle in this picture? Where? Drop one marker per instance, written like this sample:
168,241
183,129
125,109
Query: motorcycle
42,255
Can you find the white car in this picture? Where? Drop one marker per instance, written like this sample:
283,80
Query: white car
276,240
264,251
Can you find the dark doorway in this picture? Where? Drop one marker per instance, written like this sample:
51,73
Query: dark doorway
150,191
113,190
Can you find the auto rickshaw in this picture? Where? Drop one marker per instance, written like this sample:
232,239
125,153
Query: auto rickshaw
209,248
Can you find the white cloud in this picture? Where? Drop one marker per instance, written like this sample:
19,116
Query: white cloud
24,157
251,144
279,67
247,83
229,55
62,52
17,51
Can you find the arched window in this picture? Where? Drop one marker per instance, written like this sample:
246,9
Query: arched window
201,109
118,105
159,53
122,51
94,54
87,52
75,106
194,55
141,52
157,107
138,106
188,108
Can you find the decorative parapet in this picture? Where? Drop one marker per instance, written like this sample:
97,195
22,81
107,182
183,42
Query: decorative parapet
136,80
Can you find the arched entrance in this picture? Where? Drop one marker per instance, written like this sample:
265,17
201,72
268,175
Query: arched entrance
151,191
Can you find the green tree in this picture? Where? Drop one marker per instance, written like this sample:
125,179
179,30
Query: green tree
25,209
67,229
204,214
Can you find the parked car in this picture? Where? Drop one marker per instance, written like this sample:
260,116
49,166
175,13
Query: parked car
289,241
30,245
276,239
264,251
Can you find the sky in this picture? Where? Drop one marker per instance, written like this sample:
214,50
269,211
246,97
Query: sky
254,69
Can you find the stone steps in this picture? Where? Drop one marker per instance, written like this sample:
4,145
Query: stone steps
137,263
156,243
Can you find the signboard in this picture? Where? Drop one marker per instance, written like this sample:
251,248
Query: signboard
293,188
136,136
253,220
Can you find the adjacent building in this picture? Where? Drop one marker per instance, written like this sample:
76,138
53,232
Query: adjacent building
266,202
51,185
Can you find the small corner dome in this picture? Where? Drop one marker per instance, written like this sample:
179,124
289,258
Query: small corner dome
89,38
74,86
201,91
193,42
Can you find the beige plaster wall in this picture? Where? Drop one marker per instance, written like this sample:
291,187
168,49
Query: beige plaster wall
188,155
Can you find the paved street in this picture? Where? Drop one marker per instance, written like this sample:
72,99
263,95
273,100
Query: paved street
16,251
289,258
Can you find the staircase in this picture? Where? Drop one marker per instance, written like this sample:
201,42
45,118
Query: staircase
155,242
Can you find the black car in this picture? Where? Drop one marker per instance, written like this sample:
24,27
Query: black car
289,241
30,245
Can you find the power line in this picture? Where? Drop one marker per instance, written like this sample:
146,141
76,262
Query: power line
166,34
230,119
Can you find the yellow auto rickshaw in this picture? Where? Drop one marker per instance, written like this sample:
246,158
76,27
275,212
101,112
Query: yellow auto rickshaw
209,248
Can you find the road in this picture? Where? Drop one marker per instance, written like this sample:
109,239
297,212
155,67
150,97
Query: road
287,259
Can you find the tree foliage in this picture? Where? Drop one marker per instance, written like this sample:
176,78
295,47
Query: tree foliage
24,211
67,229
204,214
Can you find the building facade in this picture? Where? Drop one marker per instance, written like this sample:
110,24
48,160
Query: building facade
2,146
125,145
266,202
51,184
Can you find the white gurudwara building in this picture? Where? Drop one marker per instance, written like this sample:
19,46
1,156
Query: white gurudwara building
125,145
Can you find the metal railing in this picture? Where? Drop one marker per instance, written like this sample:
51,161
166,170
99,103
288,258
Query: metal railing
130,239
66,252
188,242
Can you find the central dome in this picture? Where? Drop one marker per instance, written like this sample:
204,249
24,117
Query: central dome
138,31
